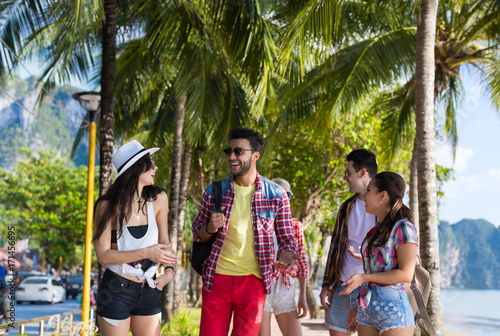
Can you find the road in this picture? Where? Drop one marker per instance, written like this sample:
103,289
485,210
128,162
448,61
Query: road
26,311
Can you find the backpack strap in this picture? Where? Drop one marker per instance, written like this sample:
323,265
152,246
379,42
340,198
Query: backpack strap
217,194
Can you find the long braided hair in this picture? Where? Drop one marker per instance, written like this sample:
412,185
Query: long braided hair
395,186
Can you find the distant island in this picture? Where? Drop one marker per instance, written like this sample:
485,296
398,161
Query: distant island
470,254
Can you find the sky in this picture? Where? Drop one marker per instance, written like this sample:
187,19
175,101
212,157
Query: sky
470,194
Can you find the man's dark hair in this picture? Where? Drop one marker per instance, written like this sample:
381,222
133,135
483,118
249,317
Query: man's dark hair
255,139
363,158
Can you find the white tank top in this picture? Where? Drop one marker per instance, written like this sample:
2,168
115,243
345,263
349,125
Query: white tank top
127,242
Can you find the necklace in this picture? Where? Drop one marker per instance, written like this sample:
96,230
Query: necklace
138,208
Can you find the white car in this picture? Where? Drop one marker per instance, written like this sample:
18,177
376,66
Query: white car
40,289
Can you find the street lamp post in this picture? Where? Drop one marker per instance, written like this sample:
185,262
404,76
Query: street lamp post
90,103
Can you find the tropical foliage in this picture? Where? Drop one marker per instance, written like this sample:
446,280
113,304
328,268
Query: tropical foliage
317,78
44,199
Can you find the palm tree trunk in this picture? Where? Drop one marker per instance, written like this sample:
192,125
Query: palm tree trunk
107,88
427,194
414,184
186,169
173,215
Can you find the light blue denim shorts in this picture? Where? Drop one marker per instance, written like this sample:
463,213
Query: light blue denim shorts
341,305
389,308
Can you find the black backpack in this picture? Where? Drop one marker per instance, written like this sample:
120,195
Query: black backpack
201,251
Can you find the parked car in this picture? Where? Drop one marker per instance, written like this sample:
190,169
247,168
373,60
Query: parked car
73,285
40,289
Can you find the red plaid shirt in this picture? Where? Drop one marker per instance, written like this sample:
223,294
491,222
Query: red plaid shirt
270,213
300,267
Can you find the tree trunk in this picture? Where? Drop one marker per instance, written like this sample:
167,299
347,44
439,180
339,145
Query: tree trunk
427,196
173,214
185,173
107,88
414,184
314,274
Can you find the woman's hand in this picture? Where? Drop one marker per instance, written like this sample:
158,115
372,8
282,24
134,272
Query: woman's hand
352,324
163,280
352,283
302,306
353,253
159,254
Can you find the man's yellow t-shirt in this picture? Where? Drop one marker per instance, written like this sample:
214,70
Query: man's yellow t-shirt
237,256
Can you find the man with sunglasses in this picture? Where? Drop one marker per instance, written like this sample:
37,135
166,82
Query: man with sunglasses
351,225
238,273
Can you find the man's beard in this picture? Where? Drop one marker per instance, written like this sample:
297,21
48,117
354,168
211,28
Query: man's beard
244,167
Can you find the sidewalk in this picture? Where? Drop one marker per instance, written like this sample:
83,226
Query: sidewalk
310,327
317,327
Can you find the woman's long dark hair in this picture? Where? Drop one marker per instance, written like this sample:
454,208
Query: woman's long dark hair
395,186
120,196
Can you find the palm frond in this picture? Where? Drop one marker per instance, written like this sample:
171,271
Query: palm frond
310,35
80,134
397,111
452,99
356,72
493,70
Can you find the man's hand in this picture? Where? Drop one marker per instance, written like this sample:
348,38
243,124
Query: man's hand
216,221
286,260
352,324
325,297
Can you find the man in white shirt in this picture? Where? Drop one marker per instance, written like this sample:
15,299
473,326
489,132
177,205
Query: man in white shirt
351,225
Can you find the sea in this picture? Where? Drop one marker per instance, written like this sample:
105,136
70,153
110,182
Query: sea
473,312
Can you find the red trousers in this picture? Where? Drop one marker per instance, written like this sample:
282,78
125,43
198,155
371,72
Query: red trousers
245,295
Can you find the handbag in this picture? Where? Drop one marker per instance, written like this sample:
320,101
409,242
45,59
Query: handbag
201,250
418,292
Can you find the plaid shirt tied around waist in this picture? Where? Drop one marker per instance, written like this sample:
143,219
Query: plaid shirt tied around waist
300,267
271,214
385,258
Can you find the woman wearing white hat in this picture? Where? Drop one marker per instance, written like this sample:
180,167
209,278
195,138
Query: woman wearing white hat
131,238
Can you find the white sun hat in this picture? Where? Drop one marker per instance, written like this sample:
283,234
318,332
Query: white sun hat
128,154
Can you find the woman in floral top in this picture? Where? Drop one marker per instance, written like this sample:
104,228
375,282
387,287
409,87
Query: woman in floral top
389,256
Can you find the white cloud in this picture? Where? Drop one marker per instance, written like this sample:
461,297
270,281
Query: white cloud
444,157
468,184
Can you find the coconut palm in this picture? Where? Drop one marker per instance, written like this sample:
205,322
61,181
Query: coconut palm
65,37
427,195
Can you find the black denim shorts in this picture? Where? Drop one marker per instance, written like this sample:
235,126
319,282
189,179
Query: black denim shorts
118,297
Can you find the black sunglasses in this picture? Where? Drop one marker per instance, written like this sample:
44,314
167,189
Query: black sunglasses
290,194
237,151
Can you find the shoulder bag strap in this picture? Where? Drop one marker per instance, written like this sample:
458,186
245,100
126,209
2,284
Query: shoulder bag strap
422,311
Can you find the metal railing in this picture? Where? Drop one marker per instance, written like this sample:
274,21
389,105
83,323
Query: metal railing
58,324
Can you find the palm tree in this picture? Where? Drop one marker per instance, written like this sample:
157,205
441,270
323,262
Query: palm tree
424,112
108,70
66,36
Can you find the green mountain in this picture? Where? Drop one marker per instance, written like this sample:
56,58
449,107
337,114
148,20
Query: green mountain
49,126
469,254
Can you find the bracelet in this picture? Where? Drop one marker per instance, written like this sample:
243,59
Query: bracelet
171,269
206,229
